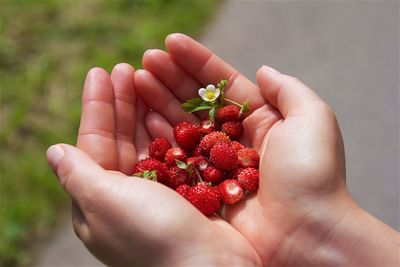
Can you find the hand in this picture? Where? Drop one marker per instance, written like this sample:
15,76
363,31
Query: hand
302,214
128,221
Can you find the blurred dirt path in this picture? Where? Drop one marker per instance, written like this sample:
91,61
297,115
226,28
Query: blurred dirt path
346,51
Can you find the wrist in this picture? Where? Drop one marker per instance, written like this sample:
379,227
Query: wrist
362,240
337,232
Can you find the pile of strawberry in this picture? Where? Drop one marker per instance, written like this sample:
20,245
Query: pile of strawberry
209,167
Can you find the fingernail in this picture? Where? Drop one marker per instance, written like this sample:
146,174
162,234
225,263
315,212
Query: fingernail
268,68
54,155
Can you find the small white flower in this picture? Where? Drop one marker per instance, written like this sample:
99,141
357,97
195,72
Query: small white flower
210,93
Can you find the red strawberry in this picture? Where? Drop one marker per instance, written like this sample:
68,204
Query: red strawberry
205,198
233,174
173,154
248,179
196,151
183,190
207,126
233,129
199,162
149,165
213,175
176,177
231,191
195,165
187,134
223,156
248,157
228,113
159,147
211,140
236,145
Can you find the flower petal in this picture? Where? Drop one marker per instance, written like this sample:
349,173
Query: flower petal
202,92
210,87
217,92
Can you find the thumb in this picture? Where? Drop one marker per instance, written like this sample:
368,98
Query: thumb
286,93
78,174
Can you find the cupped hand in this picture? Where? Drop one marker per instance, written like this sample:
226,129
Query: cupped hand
302,168
128,221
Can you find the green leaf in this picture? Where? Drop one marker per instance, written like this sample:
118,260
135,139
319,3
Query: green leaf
181,164
192,104
138,174
148,175
196,104
211,114
201,108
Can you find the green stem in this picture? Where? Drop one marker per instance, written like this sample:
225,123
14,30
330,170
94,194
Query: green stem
198,175
233,102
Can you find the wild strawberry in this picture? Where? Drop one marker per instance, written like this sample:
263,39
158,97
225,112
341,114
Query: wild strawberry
233,129
233,174
231,191
205,198
187,134
248,157
183,190
159,147
176,177
213,175
211,140
155,168
173,154
236,145
228,113
248,179
223,156
195,165
199,162
196,151
207,126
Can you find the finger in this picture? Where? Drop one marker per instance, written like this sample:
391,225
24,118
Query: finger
124,113
97,126
142,136
158,126
257,124
208,68
160,63
286,93
159,98
80,176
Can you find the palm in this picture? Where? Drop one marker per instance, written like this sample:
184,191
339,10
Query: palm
116,129
288,171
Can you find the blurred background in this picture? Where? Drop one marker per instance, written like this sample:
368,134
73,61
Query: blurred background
348,51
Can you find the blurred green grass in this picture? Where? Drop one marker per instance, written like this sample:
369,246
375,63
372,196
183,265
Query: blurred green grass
46,48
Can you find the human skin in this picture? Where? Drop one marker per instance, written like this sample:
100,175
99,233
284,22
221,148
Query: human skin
302,214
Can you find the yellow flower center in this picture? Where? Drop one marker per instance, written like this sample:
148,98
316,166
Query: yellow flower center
210,95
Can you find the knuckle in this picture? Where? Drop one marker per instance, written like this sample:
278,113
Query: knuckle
291,81
288,83
325,110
